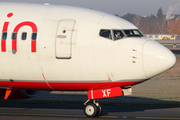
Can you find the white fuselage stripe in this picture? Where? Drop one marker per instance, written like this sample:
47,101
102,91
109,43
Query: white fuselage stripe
92,94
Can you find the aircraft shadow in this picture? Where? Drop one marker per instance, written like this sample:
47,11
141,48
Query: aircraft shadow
47,100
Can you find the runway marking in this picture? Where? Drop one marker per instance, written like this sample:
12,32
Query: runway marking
109,117
53,115
158,118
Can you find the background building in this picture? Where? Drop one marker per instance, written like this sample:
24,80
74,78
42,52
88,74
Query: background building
163,36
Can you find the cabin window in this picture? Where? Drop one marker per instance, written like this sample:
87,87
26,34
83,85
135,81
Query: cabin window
106,34
24,36
34,36
14,36
118,34
4,36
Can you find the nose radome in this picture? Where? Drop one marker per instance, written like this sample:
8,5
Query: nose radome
156,58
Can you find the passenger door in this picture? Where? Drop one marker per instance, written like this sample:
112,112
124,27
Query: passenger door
63,42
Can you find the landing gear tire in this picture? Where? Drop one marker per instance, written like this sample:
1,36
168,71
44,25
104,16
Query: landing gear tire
99,111
91,110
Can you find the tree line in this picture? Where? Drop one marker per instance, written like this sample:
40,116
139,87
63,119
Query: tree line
155,24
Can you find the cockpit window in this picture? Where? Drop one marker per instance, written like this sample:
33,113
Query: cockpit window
133,33
118,34
106,34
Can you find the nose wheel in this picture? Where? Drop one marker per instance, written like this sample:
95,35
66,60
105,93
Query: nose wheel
92,109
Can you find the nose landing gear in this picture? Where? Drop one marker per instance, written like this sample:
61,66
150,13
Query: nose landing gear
92,109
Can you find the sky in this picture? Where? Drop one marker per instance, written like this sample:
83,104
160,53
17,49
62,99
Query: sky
120,7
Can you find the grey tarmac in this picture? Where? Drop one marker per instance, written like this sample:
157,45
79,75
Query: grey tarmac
9,111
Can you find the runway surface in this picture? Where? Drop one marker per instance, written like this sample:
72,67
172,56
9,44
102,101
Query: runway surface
9,111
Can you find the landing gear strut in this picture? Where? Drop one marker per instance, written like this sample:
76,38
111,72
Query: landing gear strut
92,109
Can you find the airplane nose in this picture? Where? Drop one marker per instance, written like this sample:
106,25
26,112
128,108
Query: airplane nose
156,58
